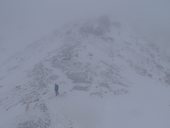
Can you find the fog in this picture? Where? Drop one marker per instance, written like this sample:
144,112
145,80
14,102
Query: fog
98,78
24,21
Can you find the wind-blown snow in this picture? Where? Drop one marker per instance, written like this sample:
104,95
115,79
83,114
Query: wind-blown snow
106,77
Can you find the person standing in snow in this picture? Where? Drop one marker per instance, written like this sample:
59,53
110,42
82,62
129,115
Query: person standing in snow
56,89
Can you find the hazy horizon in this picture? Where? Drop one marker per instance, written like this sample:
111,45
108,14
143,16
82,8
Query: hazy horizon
23,22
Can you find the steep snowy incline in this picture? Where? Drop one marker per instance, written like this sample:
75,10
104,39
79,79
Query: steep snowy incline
104,73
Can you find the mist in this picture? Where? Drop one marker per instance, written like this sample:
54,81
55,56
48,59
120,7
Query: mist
22,21
93,73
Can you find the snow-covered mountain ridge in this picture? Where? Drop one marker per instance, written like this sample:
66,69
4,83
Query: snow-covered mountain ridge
98,58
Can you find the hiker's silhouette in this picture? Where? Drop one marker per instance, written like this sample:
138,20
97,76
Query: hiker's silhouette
56,89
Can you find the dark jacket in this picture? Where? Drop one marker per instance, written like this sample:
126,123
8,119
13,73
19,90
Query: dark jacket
56,89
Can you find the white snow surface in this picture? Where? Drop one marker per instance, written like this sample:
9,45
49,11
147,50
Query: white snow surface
107,78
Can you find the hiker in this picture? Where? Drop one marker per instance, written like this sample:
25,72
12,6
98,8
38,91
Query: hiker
56,89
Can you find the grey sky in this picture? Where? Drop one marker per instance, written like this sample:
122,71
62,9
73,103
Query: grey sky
23,21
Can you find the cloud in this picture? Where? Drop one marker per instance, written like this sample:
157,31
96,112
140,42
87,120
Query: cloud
24,21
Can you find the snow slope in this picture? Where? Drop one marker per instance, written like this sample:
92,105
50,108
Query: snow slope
107,78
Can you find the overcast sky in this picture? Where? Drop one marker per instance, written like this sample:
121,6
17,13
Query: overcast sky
23,21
